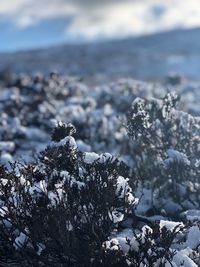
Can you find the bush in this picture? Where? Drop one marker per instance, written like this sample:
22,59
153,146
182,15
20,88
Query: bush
59,211
166,147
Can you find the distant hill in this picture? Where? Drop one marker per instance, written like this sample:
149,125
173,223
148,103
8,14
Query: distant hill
149,57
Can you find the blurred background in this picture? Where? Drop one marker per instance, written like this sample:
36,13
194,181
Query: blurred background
101,40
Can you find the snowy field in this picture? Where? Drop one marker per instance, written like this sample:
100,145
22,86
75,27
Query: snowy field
101,169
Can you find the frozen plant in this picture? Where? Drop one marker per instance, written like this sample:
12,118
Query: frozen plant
59,210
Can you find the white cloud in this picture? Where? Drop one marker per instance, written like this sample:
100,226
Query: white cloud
10,7
105,18
135,18
24,13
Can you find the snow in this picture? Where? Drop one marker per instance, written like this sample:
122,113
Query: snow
41,247
171,207
64,141
174,155
105,157
116,216
90,157
134,244
192,215
64,174
69,226
197,163
82,146
112,244
193,237
145,203
6,159
3,211
122,238
123,189
40,187
171,225
121,186
20,240
33,134
55,197
7,146
180,258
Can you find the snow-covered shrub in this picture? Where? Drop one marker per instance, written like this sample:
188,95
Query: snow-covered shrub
30,103
160,244
150,247
59,211
166,148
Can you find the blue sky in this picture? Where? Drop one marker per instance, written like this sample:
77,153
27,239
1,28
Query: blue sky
48,32
28,24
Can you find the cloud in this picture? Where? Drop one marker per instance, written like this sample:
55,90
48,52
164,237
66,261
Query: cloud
23,13
93,19
8,7
125,18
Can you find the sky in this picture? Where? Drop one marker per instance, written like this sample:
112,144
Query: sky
26,24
